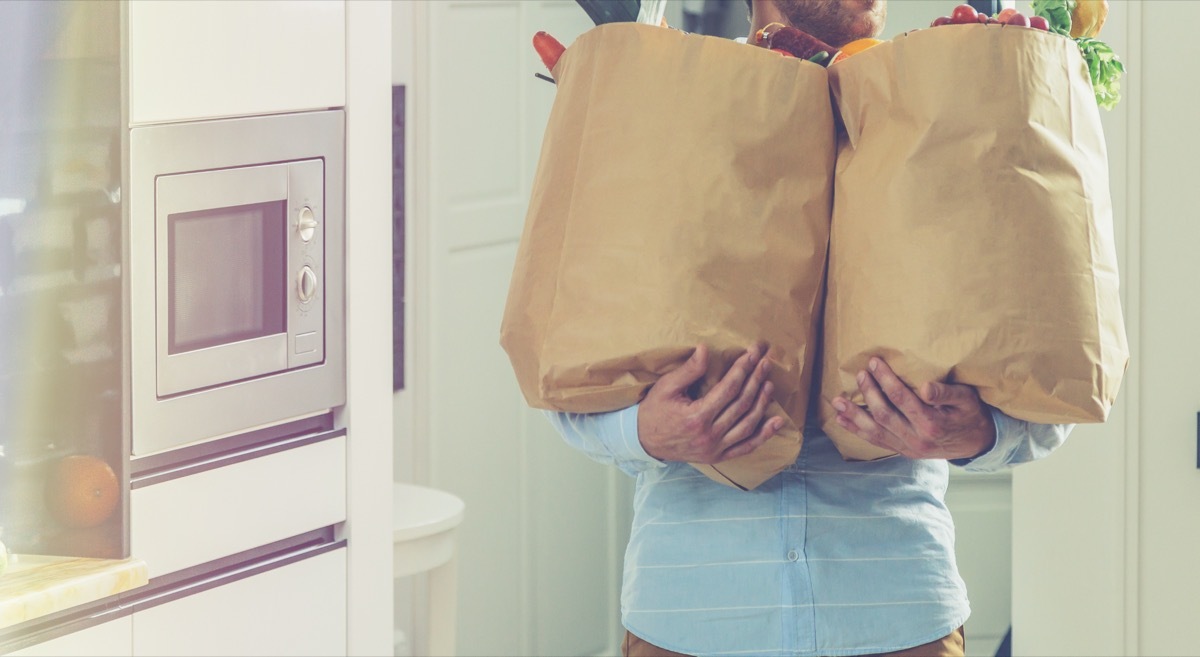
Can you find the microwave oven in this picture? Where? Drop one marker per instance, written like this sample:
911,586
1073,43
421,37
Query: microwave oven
236,285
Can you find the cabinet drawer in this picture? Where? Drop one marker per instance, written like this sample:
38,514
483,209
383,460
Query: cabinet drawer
194,519
113,638
297,609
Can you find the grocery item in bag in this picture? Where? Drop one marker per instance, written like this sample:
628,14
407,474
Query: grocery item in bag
972,237
682,197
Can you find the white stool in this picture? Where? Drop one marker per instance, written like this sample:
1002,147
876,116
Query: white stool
423,524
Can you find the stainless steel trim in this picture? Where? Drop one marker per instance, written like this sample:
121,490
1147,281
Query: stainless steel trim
163,460
203,190
227,570
171,587
163,424
219,460
219,365
306,314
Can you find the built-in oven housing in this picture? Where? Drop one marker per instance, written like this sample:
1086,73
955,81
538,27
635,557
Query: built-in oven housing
236,275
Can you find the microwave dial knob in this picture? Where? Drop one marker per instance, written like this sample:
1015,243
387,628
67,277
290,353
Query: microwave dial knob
306,223
306,284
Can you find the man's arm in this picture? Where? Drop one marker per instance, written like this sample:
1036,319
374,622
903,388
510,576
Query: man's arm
608,438
727,422
1017,442
943,421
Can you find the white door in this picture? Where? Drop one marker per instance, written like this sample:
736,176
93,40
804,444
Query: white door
543,534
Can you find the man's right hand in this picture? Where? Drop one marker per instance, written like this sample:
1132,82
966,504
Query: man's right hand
725,423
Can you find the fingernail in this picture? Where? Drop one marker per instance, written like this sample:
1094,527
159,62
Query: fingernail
766,366
839,405
861,377
873,364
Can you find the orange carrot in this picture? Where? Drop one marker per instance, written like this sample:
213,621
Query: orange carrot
548,48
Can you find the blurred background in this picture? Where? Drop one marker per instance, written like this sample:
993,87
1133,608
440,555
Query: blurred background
1084,553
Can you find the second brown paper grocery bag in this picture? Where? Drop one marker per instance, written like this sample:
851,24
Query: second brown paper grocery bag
682,197
972,236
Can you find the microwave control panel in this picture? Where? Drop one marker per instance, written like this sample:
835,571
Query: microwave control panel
306,256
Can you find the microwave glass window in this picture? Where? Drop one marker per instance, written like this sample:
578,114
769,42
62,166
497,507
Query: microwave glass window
226,275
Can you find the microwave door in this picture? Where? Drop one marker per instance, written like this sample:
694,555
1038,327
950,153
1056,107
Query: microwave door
221,276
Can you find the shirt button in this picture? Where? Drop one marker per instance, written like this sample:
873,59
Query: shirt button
793,555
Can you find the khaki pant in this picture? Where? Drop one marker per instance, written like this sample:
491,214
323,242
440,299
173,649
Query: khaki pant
951,645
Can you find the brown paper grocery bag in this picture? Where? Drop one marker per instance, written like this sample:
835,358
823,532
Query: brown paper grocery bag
972,236
682,197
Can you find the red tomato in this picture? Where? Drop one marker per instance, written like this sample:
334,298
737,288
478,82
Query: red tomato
1018,19
964,14
1039,23
1003,15
941,20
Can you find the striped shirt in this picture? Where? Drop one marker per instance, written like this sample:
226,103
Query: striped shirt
828,557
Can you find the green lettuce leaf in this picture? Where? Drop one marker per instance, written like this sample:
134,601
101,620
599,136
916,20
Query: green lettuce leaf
1105,70
1057,13
1103,66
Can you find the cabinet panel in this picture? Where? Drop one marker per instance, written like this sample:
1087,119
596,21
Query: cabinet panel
298,609
205,516
198,59
114,638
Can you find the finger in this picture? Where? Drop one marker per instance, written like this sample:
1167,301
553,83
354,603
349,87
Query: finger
729,387
749,421
678,380
858,421
745,400
941,395
898,392
881,407
764,433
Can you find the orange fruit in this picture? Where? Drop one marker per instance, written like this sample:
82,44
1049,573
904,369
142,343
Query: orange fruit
855,47
82,491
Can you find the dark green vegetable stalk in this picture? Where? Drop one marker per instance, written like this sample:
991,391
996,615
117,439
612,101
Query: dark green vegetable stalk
1104,67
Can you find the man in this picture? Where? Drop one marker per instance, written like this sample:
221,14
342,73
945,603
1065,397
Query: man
829,557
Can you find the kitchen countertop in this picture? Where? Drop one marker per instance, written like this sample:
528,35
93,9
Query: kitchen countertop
35,586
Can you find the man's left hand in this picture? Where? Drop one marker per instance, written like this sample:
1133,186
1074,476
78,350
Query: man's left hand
939,421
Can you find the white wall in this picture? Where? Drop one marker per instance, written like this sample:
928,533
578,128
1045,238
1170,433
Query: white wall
1170,357
541,542
368,335
1105,539
409,617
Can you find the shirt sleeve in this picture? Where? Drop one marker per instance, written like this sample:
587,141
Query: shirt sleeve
1017,442
608,438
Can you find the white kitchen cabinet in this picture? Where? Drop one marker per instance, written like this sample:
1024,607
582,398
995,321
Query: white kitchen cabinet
192,59
111,639
191,520
297,609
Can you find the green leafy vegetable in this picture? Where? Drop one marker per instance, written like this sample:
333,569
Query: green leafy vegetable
1104,67
1057,13
1105,70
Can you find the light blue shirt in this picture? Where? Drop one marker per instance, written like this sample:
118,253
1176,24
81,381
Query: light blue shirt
828,557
